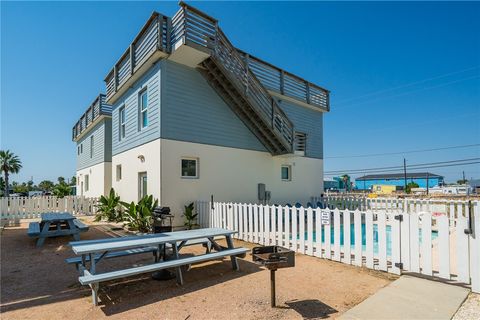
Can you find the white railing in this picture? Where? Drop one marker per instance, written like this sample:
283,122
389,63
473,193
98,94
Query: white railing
16,208
391,241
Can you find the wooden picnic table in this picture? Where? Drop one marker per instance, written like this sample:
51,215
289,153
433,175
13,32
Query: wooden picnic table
54,225
93,251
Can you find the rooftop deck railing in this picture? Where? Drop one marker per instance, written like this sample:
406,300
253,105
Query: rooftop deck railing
154,36
286,83
201,32
96,109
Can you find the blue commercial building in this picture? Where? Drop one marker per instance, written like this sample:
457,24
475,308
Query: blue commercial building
398,179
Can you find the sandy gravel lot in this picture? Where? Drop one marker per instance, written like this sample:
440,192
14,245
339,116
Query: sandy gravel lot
38,284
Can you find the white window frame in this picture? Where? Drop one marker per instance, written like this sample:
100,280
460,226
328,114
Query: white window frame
142,110
141,192
122,123
289,167
118,172
91,146
197,167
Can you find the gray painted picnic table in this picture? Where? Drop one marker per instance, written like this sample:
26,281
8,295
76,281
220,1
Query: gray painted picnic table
93,251
59,224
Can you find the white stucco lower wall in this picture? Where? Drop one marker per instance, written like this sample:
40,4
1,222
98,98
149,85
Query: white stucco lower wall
144,158
233,175
99,180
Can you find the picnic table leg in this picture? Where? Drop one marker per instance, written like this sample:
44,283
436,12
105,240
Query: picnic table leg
43,234
73,227
95,293
233,258
179,270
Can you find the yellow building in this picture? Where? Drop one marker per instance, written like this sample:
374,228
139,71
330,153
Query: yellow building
383,189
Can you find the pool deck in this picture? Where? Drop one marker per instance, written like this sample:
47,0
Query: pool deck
410,298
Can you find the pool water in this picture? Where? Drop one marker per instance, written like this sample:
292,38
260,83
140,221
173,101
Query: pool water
364,237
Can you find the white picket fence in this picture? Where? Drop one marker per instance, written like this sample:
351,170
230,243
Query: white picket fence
391,241
16,208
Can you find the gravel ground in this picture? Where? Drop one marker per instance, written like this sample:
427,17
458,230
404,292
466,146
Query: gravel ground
470,309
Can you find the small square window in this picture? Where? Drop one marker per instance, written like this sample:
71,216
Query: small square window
189,168
119,172
286,173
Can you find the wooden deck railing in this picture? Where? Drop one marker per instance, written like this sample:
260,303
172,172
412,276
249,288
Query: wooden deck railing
201,32
96,109
154,36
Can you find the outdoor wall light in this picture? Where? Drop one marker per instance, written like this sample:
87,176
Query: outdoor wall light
142,158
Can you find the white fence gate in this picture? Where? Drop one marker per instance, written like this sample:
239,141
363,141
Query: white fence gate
15,208
391,241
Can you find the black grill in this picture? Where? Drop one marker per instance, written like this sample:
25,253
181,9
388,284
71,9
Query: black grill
273,258
162,220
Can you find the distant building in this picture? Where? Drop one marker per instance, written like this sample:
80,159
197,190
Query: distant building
453,189
398,179
331,184
385,189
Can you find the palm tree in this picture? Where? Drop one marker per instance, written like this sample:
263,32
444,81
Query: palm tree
9,163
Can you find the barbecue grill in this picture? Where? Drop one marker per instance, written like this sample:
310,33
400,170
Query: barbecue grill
273,258
162,220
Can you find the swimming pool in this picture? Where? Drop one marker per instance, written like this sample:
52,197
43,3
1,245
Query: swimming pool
364,237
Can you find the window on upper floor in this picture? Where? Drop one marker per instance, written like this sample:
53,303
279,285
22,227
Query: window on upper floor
78,150
143,109
286,173
91,146
81,148
121,123
189,168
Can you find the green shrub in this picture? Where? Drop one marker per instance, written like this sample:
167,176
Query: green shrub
190,216
139,216
108,208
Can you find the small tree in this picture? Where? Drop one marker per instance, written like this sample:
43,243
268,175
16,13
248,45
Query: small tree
62,190
411,185
9,163
73,181
61,180
46,185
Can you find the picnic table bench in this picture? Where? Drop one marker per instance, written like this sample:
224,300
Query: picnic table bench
92,252
55,225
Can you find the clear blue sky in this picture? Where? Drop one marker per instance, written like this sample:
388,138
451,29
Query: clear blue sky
376,58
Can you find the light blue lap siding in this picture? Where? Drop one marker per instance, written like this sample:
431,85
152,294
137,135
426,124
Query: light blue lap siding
307,121
192,111
102,146
133,135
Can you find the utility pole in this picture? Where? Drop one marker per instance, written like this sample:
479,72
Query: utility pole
428,175
464,182
405,173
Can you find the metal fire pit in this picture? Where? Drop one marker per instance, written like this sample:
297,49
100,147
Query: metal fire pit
273,258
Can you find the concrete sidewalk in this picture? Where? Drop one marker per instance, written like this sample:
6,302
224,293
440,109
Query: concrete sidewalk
411,298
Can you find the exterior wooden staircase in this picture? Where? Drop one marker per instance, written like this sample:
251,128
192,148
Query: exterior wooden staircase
228,73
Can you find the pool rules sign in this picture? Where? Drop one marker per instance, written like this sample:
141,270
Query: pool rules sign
325,217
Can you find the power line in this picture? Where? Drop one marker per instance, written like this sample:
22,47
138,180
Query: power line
404,152
407,92
412,166
408,84
396,170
